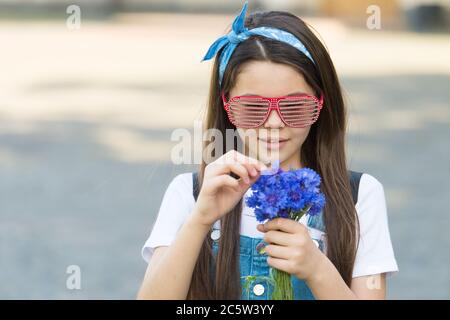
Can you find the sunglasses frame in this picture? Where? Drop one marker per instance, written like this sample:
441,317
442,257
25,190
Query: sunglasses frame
274,105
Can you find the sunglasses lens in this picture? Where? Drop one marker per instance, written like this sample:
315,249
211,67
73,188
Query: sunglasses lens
248,113
299,111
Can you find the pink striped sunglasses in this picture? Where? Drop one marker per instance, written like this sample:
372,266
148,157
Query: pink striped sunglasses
296,111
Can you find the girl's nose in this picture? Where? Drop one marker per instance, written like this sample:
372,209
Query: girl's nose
273,120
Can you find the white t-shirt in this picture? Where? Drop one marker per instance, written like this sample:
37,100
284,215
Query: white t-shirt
374,254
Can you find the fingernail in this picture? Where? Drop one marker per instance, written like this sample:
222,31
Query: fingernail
261,248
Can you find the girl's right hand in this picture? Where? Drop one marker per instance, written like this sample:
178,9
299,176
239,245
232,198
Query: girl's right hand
220,192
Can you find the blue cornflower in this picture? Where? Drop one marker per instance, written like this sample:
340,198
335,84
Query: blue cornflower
287,194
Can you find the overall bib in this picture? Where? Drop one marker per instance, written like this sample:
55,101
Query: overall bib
256,282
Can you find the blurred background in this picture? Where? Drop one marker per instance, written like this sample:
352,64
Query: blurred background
86,116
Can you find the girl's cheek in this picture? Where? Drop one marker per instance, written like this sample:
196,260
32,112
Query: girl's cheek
300,134
298,139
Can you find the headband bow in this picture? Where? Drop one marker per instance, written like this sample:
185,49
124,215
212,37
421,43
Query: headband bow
240,33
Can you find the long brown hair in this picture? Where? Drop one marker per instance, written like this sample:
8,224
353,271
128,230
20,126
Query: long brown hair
323,151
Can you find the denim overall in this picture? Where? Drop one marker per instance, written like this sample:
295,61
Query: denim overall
252,263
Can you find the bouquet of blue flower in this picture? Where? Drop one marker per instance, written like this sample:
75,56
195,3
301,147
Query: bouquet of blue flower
287,194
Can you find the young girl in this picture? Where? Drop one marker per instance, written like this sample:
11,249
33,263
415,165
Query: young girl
209,247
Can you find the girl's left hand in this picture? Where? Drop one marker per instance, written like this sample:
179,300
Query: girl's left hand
290,247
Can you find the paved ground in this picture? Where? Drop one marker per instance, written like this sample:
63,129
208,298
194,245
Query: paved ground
85,125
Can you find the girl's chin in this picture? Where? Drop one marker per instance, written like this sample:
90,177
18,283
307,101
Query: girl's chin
271,158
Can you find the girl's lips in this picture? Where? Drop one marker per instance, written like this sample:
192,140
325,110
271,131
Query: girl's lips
274,144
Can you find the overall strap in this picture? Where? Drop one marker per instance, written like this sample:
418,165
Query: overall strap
195,190
354,176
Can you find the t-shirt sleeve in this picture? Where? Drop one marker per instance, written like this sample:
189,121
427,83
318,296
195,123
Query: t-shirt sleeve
176,205
375,253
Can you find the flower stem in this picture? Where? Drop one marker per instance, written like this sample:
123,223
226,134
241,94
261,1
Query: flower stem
297,215
283,289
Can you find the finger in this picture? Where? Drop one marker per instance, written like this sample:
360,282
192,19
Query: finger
252,169
280,264
279,252
234,156
283,224
237,168
243,159
279,238
224,181
254,166
260,227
